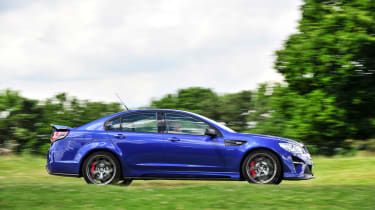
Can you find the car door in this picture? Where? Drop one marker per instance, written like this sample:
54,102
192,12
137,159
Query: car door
187,148
137,135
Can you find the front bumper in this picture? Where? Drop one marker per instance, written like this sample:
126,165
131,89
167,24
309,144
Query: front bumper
305,175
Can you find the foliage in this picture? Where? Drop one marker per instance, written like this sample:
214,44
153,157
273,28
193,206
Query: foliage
311,118
329,66
194,99
229,108
368,145
234,108
26,123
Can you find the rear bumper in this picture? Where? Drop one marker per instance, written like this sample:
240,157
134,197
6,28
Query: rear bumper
63,168
60,174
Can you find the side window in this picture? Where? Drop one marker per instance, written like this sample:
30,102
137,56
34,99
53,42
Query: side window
183,124
140,122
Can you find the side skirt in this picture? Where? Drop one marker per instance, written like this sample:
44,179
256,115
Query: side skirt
300,178
63,174
184,178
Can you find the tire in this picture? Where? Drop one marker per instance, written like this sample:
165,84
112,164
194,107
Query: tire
262,167
101,168
279,180
126,182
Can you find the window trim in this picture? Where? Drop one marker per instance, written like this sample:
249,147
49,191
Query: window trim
132,113
189,115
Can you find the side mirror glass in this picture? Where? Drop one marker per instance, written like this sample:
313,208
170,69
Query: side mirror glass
210,132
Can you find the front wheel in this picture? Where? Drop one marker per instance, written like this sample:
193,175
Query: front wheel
262,167
101,168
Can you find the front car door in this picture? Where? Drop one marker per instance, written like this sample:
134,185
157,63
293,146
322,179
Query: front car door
137,135
188,149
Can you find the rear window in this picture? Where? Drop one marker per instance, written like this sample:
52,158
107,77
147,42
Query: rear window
137,122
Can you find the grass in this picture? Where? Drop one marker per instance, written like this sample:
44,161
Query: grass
342,183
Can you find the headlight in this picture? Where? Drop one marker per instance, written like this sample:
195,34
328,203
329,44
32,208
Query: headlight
293,148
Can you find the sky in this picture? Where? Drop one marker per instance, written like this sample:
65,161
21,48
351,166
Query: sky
140,49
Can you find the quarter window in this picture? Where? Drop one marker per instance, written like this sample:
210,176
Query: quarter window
183,124
114,125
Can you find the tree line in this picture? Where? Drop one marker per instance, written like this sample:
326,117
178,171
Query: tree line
273,109
25,124
329,68
328,95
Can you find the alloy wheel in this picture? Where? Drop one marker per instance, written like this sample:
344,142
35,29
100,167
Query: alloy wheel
261,168
101,170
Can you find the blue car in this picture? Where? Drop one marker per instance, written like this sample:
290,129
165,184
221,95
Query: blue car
172,144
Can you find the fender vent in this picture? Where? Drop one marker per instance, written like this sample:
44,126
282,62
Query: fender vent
229,142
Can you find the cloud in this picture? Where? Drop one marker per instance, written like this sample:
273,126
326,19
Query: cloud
140,49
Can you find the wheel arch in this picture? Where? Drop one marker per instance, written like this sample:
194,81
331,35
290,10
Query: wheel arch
99,150
256,149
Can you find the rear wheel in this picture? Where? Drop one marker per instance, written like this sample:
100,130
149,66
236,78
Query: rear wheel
101,168
262,167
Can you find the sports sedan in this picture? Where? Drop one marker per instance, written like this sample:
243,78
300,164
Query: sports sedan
172,144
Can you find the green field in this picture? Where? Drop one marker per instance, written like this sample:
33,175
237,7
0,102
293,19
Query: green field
342,183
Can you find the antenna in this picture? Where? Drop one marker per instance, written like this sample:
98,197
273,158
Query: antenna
122,102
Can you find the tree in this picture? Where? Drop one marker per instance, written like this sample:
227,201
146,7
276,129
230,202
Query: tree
331,61
19,121
233,109
260,107
312,118
195,99
27,123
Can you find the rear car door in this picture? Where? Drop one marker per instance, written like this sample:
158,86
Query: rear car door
137,135
188,149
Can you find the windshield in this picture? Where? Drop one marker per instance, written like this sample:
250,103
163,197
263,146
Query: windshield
217,124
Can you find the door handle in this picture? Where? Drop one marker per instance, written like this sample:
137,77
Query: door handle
174,139
120,136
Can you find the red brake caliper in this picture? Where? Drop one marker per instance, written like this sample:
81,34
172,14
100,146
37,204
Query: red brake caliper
251,168
93,168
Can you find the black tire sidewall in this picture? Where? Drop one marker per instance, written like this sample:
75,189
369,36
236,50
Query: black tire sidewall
107,155
278,176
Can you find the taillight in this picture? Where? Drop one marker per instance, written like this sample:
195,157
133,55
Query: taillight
58,135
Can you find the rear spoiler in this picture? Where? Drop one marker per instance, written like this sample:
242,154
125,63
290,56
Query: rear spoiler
59,132
60,127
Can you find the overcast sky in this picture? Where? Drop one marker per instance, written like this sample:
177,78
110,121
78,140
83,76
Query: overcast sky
140,49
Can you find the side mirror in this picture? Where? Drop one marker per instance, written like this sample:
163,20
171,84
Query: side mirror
211,132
